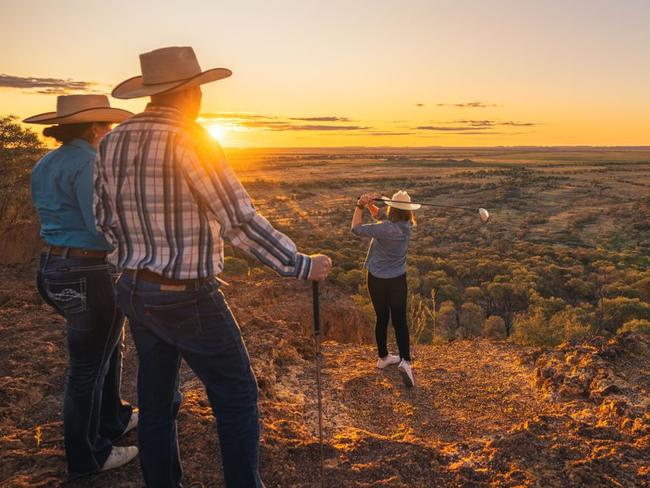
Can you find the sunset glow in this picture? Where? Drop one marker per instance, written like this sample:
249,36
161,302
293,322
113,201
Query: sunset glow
418,73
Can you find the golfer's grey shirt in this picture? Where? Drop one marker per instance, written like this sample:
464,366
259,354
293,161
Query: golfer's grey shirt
388,248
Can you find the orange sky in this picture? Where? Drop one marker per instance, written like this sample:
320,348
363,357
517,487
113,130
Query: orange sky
341,73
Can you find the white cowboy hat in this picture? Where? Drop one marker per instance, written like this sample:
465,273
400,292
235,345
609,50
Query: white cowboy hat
166,70
402,200
79,109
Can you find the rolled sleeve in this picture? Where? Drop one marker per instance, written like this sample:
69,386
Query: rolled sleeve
381,230
216,185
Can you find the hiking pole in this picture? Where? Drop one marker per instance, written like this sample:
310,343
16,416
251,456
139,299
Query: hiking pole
316,305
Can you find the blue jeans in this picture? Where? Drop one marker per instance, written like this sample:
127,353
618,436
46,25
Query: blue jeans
81,290
196,325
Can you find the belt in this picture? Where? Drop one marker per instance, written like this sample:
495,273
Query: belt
167,283
75,252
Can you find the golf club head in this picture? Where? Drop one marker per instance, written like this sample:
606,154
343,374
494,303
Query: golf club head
484,214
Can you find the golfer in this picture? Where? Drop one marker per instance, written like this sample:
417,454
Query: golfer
386,265
73,277
167,198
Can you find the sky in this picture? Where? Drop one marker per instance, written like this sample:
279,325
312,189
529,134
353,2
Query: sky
356,72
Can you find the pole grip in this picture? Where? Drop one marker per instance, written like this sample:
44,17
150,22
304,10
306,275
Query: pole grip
316,304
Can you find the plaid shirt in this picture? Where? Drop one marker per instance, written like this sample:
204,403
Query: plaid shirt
166,198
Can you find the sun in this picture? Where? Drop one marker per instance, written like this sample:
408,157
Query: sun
216,131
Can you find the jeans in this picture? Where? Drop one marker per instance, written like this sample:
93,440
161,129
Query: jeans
388,296
81,290
195,325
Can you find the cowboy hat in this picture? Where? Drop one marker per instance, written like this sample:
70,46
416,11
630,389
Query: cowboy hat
79,109
166,70
402,200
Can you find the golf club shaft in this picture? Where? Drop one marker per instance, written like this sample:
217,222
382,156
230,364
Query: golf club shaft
316,304
429,204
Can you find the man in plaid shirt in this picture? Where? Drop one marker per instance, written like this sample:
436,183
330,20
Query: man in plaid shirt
166,198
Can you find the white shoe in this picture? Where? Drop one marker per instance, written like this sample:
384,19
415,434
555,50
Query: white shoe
133,422
120,456
407,373
387,361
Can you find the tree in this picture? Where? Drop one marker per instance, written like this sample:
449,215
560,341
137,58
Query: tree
447,319
471,320
17,144
494,327
505,300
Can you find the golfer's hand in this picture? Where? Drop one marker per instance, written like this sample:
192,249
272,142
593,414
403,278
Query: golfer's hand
321,266
365,199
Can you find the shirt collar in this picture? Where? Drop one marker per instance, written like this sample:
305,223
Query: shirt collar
82,144
166,109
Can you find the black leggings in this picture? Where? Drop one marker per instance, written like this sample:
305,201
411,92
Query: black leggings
388,297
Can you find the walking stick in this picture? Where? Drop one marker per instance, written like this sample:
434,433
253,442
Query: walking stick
315,303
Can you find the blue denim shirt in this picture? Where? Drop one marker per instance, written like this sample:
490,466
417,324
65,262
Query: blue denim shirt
62,191
388,248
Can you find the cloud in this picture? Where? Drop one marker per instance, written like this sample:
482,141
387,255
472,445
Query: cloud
443,128
49,86
419,105
492,123
467,105
321,119
234,115
389,133
288,126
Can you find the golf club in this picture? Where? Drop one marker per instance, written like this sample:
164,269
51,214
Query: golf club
316,305
482,212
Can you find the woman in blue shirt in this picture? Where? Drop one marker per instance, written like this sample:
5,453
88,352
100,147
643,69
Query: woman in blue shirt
386,265
74,278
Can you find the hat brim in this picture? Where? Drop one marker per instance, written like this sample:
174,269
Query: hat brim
135,88
112,115
400,205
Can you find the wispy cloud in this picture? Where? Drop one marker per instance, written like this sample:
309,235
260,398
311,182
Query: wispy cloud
467,105
287,126
493,123
444,128
419,105
277,123
389,133
49,86
235,115
321,119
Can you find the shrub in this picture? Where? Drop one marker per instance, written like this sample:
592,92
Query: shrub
447,321
494,327
351,279
235,266
636,325
471,319
533,329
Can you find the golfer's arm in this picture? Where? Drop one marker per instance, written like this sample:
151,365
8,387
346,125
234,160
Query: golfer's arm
357,217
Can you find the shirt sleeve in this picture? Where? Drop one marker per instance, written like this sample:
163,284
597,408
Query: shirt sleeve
102,204
83,188
215,184
381,230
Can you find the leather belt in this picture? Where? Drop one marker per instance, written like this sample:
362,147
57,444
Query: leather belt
151,277
75,252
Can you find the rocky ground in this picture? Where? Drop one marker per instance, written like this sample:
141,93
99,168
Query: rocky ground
483,413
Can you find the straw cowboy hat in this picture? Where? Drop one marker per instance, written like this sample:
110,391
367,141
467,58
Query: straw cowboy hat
166,70
402,200
79,109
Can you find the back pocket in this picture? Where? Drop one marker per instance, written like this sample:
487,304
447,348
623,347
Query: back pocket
71,296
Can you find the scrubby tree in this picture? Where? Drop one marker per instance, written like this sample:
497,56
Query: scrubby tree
494,327
447,320
471,319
